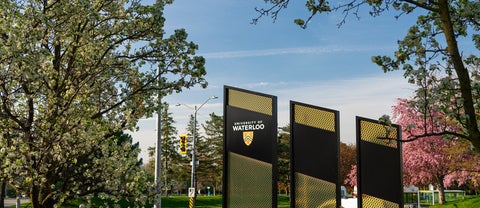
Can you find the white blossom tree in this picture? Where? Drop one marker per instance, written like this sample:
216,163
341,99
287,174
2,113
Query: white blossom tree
72,75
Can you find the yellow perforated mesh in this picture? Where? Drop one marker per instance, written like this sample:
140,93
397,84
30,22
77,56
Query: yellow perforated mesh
249,182
378,133
374,202
251,102
313,192
315,117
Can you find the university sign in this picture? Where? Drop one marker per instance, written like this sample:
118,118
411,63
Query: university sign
249,149
248,129
250,155
248,125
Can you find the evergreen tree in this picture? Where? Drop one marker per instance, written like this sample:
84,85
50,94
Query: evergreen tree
193,133
150,166
173,164
212,152
170,154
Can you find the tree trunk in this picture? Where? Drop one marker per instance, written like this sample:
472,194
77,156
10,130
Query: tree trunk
462,73
165,170
34,197
441,195
37,201
2,194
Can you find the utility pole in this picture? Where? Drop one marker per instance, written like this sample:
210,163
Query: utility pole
158,146
192,191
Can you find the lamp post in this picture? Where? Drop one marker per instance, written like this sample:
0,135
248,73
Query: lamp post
158,146
193,186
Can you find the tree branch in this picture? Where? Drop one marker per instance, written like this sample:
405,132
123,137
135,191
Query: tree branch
424,5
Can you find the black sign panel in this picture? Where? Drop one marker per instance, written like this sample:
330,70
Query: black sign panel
379,171
314,156
316,153
250,141
248,136
375,172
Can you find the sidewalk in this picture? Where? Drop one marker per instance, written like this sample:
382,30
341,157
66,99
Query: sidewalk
12,201
349,203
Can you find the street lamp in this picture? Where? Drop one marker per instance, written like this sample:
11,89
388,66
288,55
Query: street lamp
194,157
158,145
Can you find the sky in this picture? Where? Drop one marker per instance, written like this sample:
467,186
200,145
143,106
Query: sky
323,65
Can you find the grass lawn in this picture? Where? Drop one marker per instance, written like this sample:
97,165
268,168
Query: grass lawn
183,201
469,202
170,202
208,201
216,202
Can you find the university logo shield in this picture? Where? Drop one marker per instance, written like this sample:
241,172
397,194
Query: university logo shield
248,137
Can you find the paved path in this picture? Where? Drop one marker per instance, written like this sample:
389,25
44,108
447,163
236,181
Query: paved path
12,202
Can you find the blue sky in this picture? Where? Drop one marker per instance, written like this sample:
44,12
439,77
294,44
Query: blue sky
322,65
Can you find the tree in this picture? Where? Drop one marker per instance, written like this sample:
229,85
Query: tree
150,166
352,176
73,74
433,160
126,179
170,154
429,54
441,161
201,148
3,187
348,158
283,162
213,152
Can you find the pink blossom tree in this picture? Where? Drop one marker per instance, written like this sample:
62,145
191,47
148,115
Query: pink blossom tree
435,160
352,177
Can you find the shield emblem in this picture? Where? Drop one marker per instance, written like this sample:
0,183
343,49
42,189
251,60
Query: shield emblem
248,137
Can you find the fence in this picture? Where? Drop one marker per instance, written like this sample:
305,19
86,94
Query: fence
430,197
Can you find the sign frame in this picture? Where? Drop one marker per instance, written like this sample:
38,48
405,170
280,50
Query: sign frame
376,183
246,111
314,133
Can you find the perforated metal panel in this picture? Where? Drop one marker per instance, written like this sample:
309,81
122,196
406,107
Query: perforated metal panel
313,192
250,142
378,133
374,202
249,101
313,117
250,182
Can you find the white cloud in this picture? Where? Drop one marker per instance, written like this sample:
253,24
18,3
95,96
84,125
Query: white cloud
290,51
369,97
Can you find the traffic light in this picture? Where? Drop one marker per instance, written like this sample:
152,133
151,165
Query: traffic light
183,144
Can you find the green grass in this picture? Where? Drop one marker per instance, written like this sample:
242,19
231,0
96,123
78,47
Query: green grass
469,202
216,202
201,202
208,201
168,202
283,201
